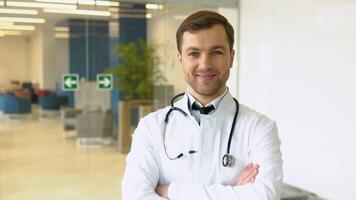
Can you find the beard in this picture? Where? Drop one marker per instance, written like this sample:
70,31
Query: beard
208,88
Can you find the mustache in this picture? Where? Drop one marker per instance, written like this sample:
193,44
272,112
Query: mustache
209,71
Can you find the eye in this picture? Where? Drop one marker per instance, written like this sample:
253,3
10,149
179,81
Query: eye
216,52
193,54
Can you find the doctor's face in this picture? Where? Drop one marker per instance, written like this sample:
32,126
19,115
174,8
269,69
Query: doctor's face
206,59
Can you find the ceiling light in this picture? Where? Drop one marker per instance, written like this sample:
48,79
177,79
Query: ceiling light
148,15
62,29
86,2
98,3
83,2
19,27
2,3
62,35
6,23
59,1
107,3
24,20
78,12
18,11
11,32
154,6
39,5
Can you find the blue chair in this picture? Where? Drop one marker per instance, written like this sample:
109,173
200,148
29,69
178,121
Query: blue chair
2,98
52,102
69,95
15,105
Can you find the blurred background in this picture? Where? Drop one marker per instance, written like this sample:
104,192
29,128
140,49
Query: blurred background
77,75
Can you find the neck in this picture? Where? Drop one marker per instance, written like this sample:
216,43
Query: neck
205,99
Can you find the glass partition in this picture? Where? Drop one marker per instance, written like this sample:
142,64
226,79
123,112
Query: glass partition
62,128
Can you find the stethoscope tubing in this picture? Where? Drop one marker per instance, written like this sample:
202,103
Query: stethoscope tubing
227,158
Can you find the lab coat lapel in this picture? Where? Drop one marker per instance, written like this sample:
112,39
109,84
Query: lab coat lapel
183,104
226,104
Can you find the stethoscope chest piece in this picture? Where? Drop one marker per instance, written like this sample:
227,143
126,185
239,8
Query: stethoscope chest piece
228,160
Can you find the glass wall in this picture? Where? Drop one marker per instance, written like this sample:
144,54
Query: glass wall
63,132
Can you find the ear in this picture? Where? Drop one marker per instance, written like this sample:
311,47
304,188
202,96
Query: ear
232,57
179,57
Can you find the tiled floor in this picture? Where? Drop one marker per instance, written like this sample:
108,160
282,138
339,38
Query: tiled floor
36,162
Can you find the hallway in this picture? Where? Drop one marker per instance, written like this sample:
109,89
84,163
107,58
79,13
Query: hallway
37,162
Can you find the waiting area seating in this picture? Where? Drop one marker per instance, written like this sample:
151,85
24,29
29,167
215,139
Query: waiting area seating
12,104
52,101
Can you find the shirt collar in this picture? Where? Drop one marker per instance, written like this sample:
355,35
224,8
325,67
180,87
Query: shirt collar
223,105
215,102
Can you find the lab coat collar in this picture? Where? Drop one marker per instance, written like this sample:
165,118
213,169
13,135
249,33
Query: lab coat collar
224,105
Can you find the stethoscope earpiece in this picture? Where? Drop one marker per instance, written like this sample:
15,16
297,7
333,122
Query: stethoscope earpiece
228,160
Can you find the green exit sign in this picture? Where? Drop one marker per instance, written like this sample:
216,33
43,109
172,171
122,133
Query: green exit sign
104,81
70,82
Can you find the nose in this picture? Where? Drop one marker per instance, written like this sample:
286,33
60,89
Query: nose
204,61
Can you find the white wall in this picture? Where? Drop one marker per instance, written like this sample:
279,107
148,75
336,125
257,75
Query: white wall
62,59
50,72
35,54
32,58
298,65
14,60
43,56
231,15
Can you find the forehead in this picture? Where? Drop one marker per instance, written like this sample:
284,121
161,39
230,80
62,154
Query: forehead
205,38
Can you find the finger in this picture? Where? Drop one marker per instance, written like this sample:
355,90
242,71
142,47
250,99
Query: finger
249,175
248,170
244,179
252,175
244,176
252,180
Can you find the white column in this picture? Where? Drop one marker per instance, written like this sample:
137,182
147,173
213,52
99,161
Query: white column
232,16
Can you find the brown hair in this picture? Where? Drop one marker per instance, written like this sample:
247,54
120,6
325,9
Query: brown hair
204,20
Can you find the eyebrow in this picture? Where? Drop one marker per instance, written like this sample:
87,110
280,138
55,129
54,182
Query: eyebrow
213,48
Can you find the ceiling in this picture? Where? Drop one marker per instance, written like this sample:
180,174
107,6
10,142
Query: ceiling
124,9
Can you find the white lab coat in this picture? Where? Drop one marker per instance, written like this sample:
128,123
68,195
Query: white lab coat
201,176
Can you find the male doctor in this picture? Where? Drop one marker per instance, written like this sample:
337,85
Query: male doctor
183,158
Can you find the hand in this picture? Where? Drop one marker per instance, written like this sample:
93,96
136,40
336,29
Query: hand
162,190
248,175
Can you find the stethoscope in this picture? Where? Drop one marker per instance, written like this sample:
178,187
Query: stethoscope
227,160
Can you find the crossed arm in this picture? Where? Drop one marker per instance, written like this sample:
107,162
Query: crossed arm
141,175
248,175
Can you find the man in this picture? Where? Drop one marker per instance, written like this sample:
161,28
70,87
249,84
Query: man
183,157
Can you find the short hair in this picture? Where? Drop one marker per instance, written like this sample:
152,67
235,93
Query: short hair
204,20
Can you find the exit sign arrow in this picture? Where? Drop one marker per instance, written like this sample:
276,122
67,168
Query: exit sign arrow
70,82
104,81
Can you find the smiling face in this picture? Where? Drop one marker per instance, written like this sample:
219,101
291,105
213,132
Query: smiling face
206,58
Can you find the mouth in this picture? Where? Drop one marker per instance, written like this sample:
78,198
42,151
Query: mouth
205,77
